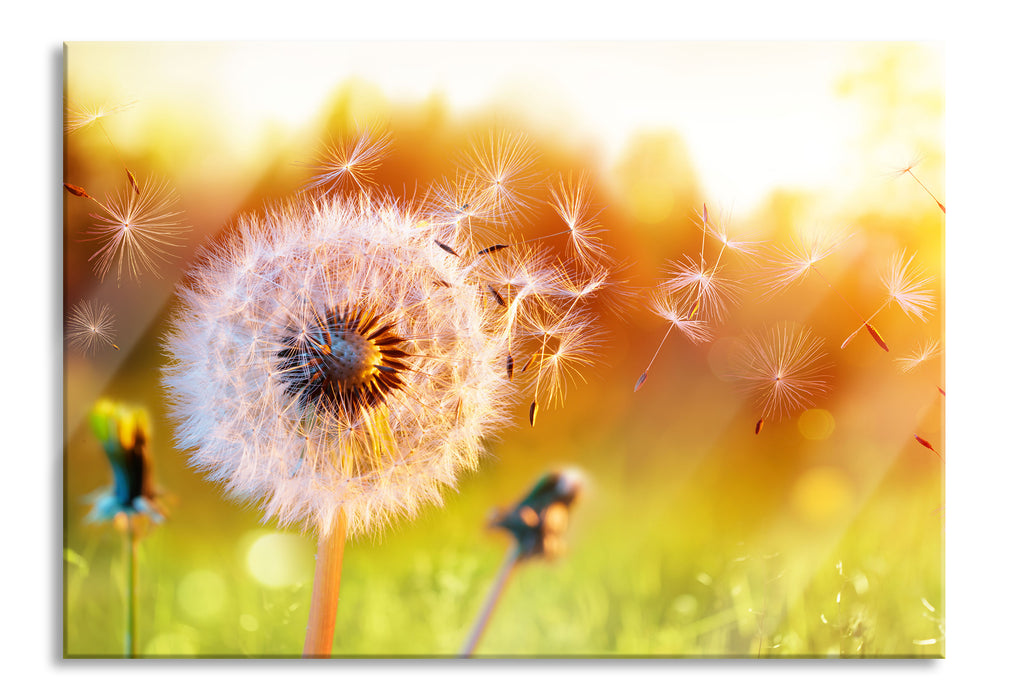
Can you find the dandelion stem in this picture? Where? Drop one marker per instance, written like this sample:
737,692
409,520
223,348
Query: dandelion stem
503,575
130,636
326,591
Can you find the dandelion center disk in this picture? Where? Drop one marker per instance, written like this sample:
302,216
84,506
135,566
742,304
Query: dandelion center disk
345,364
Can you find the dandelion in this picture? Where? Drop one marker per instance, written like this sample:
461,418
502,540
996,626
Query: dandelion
91,327
354,160
124,432
342,359
537,524
922,354
908,169
905,286
134,230
782,370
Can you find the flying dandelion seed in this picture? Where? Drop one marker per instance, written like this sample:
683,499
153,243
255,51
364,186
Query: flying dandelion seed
782,370
91,327
710,289
80,117
908,170
720,232
352,161
135,230
500,168
906,286
794,263
922,354
569,198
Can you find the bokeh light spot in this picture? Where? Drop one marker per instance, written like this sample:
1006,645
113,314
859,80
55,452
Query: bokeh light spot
277,559
821,494
201,594
171,644
248,622
816,424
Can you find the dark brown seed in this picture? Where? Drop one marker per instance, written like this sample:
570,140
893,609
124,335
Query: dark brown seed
497,297
492,249
446,248
534,409
76,190
510,366
641,380
760,425
925,443
941,390
133,181
876,336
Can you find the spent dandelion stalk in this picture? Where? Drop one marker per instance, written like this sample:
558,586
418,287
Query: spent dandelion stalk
341,359
537,524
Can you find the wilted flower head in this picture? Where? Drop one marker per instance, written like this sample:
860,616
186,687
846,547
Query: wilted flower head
349,354
124,432
539,521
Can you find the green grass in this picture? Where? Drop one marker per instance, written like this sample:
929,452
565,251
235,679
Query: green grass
637,581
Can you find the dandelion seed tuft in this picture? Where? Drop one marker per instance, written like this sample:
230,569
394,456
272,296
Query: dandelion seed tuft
91,327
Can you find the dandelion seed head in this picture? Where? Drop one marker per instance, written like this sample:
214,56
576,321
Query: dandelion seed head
347,353
91,327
